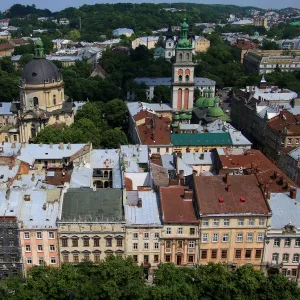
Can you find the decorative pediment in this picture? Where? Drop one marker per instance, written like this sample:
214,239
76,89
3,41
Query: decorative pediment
119,237
108,237
108,251
289,229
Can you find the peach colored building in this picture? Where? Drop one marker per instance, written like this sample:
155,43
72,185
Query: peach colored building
282,244
37,228
234,216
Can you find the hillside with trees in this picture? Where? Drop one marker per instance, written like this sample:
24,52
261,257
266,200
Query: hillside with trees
117,278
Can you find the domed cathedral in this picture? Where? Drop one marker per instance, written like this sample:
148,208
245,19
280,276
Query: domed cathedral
42,99
183,72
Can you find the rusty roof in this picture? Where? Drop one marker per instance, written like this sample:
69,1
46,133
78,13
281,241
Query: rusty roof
245,45
285,123
153,130
254,162
174,208
160,175
241,195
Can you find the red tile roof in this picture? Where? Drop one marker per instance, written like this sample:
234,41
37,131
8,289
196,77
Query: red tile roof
285,123
19,42
245,45
6,46
153,130
254,162
242,196
174,208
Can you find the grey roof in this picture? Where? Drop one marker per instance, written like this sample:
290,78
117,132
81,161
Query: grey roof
295,154
9,149
168,162
87,205
135,107
199,158
81,177
29,181
5,108
133,155
186,168
284,210
64,58
10,202
183,126
38,71
6,173
38,212
78,105
104,158
32,152
199,81
145,215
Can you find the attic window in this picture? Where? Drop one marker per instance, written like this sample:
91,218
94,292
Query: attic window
31,219
1,176
46,153
34,74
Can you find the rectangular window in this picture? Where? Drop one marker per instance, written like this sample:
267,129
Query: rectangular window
276,242
168,244
75,243
41,260
224,254
26,235
285,257
248,253
156,235
191,244
86,242
258,253
135,258
238,253
135,235
10,231
135,246
27,248
108,242
214,253
225,237
75,258
11,243
261,222
215,238
297,243
294,272
96,242
13,259
169,230
241,222
192,231
260,237
52,248
156,245
39,235
205,223
66,258
226,222
51,235
29,260
287,243
239,237
40,248
191,259
96,258
203,254
119,242
168,258
216,222
86,256
251,222
275,258
146,236
204,237
296,258
284,272
156,258
249,237
146,246
179,230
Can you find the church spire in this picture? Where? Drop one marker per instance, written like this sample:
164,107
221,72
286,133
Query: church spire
183,42
39,49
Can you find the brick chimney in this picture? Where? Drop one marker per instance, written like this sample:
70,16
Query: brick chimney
227,179
268,193
61,146
293,193
188,195
179,154
181,174
228,188
276,175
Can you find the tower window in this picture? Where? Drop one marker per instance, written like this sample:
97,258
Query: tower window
35,101
187,56
187,78
54,99
180,56
170,44
180,77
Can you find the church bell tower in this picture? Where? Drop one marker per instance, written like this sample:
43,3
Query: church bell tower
183,73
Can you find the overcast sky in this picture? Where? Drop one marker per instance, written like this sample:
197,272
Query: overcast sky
56,5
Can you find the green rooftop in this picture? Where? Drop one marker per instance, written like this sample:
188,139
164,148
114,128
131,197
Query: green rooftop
86,205
201,139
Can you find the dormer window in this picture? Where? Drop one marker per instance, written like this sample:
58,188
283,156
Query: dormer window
34,74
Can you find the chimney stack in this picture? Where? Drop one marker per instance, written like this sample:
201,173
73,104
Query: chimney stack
23,145
181,174
61,146
276,174
293,193
27,197
228,188
44,206
268,194
140,203
69,146
227,180
13,145
188,195
41,144
179,154
51,146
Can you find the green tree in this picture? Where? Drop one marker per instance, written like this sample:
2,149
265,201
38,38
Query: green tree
74,35
116,113
162,93
25,59
113,138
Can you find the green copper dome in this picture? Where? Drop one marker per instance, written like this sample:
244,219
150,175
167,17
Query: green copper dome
208,102
183,42
189,117
183,116
184,25
176,117
199,102
207,90
215,112
217,100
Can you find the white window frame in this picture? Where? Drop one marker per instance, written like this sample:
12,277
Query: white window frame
251,222
239,237
226,222
260,237
135,246
146,246
26,235
156,245
135,235
241,222
40,246
225,237
26,248
294,256
249,237
29,260
205,223
169,230
180,230
205,237
51,233
37,235
276,243
216,222
146,235
53,260
191,244
261,222
215,237
52,248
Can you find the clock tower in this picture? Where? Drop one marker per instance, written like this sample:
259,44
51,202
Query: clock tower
183,73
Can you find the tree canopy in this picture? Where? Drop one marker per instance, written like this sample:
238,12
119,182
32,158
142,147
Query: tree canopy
116,278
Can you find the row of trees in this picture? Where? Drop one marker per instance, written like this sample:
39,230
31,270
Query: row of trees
117,278
95,122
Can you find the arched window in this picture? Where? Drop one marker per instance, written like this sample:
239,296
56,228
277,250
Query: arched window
170,54
180,56
35,101
187,56
180,77
54,99
61,96
187,78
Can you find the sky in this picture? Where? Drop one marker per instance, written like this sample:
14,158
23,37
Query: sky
56,5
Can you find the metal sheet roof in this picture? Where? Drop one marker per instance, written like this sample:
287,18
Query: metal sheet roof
201,139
